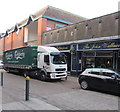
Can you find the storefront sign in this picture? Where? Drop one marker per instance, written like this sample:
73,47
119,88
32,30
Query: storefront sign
65,47
100,45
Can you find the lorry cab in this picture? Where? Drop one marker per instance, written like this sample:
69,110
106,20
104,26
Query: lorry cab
52,62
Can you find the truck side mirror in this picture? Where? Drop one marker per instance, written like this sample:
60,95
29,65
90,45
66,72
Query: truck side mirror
46,59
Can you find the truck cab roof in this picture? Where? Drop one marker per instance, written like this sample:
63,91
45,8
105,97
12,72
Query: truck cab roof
45,49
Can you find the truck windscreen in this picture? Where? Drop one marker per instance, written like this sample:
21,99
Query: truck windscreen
58,59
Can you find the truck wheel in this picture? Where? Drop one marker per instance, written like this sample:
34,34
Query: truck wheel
65,78
25,74
8,71
42,76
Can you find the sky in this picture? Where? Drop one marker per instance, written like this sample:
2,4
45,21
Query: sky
14,11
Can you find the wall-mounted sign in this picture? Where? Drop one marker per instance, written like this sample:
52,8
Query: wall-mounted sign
64,47
100,45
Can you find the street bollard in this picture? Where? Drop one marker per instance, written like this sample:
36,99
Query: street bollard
1,78
27,88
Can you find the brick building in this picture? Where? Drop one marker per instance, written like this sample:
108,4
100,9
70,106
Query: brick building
29,31
90,43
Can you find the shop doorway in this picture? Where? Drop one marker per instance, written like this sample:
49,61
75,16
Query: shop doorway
68,59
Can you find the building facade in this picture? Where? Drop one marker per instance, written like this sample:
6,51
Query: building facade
29,31
91,43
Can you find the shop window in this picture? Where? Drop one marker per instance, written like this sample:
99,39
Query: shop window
88,54
104,62
106,53
89,62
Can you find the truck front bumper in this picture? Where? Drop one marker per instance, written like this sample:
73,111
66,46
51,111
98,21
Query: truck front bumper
58,75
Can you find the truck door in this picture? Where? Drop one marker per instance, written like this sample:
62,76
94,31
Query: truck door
38,60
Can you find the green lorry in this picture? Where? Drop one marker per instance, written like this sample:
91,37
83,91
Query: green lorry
36,61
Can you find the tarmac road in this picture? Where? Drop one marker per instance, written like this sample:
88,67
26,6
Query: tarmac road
53,95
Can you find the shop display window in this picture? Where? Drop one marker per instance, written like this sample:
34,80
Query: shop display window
90,62
104,62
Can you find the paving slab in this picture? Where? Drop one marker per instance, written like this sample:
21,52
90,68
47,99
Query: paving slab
32,104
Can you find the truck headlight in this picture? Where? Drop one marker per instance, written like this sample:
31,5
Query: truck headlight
53,75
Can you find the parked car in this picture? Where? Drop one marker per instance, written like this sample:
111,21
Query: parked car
1,64
100,78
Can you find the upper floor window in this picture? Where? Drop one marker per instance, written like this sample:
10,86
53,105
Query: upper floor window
59,25
48,28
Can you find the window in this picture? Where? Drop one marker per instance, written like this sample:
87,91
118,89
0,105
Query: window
88,54
58,59
109,74
48,28
25,35
104,54
89,62
94,72
46,58
59,25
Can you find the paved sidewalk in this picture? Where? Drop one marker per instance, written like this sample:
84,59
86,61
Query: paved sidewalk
32,104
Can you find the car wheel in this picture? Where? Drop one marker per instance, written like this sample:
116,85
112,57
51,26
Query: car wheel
84,84
42,76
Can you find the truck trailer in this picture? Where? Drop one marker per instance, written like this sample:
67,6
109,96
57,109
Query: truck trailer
36,61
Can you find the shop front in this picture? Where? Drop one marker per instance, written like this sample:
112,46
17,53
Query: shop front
100,54
105,54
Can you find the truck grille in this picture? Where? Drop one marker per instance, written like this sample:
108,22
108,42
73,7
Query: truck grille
60,75
60,69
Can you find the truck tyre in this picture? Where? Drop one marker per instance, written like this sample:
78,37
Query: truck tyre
65,78
8,71
25,74
42,76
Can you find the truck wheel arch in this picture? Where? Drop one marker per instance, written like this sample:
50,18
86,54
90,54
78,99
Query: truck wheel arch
42,74
44,71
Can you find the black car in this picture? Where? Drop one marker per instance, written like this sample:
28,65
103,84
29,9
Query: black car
100,78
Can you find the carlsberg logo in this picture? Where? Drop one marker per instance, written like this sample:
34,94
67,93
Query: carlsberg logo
9,56
19,54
